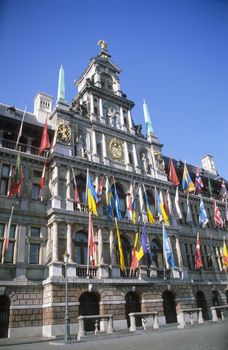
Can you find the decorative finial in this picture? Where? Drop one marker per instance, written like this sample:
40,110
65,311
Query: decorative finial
103,44
147,118
61,86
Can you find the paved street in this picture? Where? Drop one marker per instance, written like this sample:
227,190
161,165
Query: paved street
210,336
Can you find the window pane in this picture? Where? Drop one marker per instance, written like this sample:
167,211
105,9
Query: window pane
9,253
5,170
34,253
2,229
1,244
3,186
12,231
35,191
35,232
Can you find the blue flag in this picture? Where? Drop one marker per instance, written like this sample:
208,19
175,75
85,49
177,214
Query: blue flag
203,219
146,246
167,249
117,204
110,203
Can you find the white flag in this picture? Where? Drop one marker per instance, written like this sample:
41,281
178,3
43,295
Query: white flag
177,209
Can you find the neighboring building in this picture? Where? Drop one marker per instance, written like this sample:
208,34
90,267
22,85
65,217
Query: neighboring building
95,132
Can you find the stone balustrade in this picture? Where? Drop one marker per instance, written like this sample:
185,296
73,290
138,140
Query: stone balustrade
144,316
191,312
98,318
214,310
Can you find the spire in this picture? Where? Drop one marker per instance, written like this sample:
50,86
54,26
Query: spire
61,86
149,128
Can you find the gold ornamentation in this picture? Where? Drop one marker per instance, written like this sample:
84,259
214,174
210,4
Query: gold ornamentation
116,149
64,132
102,44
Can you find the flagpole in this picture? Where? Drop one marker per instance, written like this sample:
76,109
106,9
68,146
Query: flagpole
89,228
21,126
164,264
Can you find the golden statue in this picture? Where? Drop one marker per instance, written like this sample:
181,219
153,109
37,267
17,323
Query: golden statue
103,45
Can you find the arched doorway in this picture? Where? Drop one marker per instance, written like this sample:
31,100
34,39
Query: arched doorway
169,307
215,301
201,302
89,305
4,316
132,305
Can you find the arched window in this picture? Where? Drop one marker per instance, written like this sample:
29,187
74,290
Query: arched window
81,246
126,247
81,184
157,253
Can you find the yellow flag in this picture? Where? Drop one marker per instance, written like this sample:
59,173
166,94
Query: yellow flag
140,253
225,255
122,265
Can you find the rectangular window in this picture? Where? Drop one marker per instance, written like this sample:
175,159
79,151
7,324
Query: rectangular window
34,253
9,254
35,191
35,232
4,183
12,231
2,230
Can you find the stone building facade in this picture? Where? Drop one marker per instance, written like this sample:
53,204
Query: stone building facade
96,132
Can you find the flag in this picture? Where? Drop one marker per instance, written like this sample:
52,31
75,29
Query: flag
91,195
225,254
44,144
177,209
76,194
210,188
146,246
187,184
160,208
198,258
132,205
122,264
223,191
91,243
16,180
167,249
134,261
117,204
189,212
203,219
172,174
178,250
198,182
21,126
109,200
99,191
6,245
148,208
218,221
43,177
167,203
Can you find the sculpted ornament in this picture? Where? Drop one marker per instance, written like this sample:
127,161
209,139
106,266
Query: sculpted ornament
160,164
64,132
116,149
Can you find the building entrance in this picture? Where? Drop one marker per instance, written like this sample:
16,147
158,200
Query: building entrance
89,305
169,307
201,302
132,305
4,316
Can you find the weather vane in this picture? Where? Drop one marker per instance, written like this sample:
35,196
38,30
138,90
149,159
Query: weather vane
103,44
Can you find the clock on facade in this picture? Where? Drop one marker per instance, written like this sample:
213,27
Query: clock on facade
64,132
116,149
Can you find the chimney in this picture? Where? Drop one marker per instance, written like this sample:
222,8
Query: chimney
42,106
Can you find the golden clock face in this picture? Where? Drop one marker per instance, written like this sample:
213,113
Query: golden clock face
64,132
115,149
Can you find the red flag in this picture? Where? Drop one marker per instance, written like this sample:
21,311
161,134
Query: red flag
198,258
218,221
91,243
17,178
43,178
76,194
172,174
99,191
44,144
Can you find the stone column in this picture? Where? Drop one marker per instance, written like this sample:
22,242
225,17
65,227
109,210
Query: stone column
135,157
132,130
69,200
55,200
112,248
101,110
122,125
100,247
141,201
55,242
95,157
29,144
104,150
69,241
21,258
126,157
91,107
97,78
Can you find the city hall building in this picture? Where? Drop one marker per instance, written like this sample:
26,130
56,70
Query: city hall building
96,132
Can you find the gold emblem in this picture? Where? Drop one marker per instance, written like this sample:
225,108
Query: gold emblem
64,132
116,149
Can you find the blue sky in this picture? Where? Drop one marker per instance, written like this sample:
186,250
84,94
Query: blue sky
173,53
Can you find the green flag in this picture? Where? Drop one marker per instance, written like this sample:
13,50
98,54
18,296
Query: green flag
210,188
